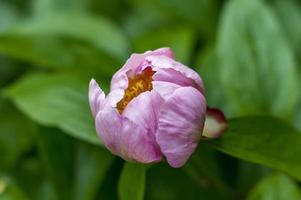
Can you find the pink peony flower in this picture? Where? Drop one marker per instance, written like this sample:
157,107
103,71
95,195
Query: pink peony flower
155,110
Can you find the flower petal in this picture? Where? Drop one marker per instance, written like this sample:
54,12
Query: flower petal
125,138
134,65
181,121
215,123
96,97
144,110
166,68
165,89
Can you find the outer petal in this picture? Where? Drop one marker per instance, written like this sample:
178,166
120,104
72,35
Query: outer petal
164,66
144,110
125,138
96,97
165,89
181,121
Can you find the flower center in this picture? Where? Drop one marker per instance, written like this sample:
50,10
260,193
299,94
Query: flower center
138,84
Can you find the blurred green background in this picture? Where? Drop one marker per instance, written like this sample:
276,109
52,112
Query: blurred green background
247,52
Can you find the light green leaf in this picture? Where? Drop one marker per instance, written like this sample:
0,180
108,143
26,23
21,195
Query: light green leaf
66,40
257,66
44,7
179,39
263,140
276,187
98,31
131,184
289,15
10,191
92,164
56,100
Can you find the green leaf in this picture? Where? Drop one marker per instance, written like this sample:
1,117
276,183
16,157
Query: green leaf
10,191
278,187
43,7
257,66
207,65
57,152
179,39
263,140
204,168
16,135
132,182
98,31
166,183
56,100
289,15
202,14
92,164
66,40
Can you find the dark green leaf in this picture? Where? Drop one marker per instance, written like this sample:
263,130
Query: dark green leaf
263,140
132,182
56,100
257,66
57,152
179,39
276,187
16,135
92,165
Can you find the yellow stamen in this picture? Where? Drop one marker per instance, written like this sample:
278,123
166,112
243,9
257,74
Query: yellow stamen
138,84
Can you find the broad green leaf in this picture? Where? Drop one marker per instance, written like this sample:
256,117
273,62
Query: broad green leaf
207,65
56,100
92,164
66,40
57,152
16,135
54,52
10,191
97,31
166,183
263,140
179,39
289,15
257,64
276,187
202,14
44,7
8,16
204,168
131,184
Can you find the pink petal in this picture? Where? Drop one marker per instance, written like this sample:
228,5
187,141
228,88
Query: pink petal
165,89
215,123
144,110
164,51
126,138
130,68
96,97
166,67
181,121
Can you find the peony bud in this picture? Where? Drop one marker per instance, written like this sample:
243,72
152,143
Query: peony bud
155,110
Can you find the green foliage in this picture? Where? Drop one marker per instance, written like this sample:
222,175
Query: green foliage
254,57
56,100
263,140
275,187
132,182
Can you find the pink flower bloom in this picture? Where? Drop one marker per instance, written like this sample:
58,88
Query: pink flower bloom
155,109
